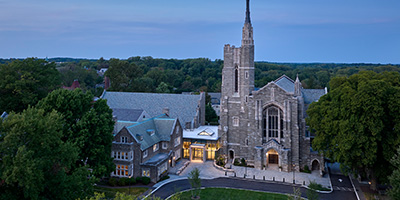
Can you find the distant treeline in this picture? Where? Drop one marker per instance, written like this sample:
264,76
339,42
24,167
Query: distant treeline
147,74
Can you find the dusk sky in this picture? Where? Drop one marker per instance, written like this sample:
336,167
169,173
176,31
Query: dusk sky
340,31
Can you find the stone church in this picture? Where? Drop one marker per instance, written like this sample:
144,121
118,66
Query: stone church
264,126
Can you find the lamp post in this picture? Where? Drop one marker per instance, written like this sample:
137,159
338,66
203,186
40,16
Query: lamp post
293,165
129,190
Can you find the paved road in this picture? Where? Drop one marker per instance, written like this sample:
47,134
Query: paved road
170,188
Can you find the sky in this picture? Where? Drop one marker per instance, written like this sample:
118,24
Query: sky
338,31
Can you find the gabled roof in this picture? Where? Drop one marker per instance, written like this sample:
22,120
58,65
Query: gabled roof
285,83
180,106
152,131
311,95
127,114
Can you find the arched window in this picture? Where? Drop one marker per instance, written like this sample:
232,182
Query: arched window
236,79
272,123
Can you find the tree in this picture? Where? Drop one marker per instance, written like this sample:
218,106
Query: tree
296,194
163,88
195,182
87,124
357,123
35,163
122,75
25,82
394,179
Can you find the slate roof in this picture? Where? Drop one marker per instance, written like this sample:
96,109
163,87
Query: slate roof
311,95
285,83
127,114
215,98
163,126
180,106
156,159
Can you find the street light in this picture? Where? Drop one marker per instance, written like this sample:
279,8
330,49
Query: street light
129,190
293,165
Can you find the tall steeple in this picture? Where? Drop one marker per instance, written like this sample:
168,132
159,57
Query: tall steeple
248,12
247,35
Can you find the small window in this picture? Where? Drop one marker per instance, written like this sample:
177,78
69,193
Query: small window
235,121
177,141
145,153
164,145
246,75
155,147
146,172
124,139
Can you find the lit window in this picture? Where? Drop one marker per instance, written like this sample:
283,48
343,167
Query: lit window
155,147
146,172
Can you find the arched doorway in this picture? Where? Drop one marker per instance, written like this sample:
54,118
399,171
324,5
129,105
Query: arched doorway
231,154
272,158
315,165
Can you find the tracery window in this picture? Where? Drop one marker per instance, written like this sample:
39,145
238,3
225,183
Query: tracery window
272,122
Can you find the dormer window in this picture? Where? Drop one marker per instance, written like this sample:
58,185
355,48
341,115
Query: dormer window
155,147
151,132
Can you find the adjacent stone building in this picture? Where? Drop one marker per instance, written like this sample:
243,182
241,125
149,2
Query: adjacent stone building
148,148
265,126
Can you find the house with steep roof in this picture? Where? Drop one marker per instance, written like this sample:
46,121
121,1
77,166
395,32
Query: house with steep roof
189,109
147,148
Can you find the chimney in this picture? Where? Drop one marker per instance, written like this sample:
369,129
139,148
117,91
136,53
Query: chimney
166,111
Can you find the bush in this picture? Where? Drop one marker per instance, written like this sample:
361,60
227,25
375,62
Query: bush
220,161
243,162
145,180
122,181
306,169
236,162
138,179
131,181
112,182
315,186
164,178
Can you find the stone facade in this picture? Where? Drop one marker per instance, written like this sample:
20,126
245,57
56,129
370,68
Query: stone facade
148,148
266,126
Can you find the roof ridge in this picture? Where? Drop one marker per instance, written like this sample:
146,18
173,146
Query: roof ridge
145,121
284,76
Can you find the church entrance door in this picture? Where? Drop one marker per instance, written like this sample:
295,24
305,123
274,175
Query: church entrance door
273,159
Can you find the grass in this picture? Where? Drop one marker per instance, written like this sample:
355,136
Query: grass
227,194
110,192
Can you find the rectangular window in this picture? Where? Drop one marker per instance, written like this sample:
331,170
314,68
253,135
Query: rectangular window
155,147
126,156
177,141
119,155
146,172
124,139
235,121
145,153
164,145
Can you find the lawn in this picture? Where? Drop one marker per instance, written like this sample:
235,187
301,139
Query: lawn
110,192
227,194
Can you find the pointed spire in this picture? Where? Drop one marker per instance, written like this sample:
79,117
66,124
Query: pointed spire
248,12
297,86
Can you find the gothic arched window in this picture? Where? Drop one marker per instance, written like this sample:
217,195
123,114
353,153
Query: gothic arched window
272,122
236,79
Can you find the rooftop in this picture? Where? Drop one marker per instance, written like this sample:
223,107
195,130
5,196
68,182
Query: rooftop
202,133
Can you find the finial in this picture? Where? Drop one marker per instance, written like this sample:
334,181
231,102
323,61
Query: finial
248,12
297,78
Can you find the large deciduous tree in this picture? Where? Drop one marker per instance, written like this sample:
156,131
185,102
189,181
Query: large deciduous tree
394,179
25,82
88,124
358,123
122,75
34,161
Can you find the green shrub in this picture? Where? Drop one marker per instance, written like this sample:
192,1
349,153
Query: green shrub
164,178
220,160
243,162
236,162
315,186
112,182
122,181
145,180
131,181
306,169
138,179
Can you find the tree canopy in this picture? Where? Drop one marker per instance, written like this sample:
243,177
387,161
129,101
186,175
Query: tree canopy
358,123
87,124
35,163
25,82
